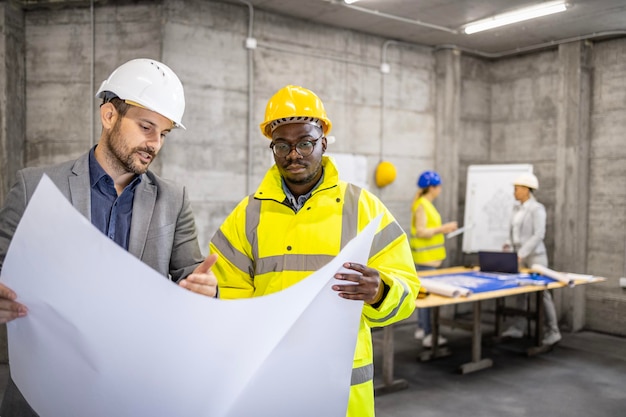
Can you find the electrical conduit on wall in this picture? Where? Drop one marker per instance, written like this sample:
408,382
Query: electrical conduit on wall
251,44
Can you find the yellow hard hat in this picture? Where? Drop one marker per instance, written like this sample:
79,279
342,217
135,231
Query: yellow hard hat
294,104
385,174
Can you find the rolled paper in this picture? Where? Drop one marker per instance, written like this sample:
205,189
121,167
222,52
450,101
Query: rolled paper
529,281
551,273
580,277
435,286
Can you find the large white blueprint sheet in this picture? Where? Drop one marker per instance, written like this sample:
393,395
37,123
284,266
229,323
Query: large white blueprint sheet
108,336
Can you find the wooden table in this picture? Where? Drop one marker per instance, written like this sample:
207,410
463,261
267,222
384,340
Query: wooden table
435,301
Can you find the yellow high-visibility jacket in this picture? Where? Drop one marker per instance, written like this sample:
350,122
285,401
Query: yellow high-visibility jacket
433,248
264,247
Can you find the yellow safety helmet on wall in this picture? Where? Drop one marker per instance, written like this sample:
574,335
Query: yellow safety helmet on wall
385,174
294,104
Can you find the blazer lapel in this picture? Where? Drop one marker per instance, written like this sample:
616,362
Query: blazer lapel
143,207
80,188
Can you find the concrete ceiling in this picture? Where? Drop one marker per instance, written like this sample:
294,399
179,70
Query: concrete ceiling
413,20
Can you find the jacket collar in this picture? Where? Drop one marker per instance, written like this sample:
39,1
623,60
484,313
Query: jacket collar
271,187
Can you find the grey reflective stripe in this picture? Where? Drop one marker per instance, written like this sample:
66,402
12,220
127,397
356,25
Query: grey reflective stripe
234,256
350,214
291,263
428,248
393,313
349,228
383,238
253,214
362,374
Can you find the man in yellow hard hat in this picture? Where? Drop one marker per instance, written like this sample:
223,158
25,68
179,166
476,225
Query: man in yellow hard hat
142,101
300,217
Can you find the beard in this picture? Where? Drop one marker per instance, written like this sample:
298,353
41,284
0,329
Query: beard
303,179
123,157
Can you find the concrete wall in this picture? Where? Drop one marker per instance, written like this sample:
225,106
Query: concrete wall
221,157
475,133
562,111
606,243
505,111
342,67
524,103
12,97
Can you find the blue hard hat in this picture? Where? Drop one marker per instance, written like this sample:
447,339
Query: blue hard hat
428,179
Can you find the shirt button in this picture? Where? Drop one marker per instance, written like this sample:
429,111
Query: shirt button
288,247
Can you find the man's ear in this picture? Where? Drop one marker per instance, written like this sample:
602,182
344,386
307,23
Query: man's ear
324,144
108,115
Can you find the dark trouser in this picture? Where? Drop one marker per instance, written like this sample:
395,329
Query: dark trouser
14,404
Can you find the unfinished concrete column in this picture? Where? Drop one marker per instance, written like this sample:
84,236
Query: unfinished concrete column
572,174
12,97
12,108
448,121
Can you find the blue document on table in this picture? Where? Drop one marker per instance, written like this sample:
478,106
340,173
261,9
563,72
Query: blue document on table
478,281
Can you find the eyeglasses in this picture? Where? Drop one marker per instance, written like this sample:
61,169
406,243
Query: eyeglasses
304,148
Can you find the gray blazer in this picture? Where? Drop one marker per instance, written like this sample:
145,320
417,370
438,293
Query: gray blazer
532,230
162,232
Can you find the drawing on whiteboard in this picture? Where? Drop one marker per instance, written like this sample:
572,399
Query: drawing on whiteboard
489,204
498,209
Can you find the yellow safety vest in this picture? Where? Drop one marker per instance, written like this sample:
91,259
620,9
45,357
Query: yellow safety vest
431,249
264,247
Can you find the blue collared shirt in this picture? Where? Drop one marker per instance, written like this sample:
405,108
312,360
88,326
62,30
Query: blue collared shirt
110,213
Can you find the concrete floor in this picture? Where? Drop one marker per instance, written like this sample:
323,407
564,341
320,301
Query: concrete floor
584,375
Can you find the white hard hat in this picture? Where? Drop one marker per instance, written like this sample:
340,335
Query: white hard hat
150,84
527,180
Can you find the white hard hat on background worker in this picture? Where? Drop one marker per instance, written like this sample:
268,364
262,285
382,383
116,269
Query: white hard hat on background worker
149,84
527,180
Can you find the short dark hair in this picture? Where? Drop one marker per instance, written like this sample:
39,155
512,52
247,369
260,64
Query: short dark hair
120,105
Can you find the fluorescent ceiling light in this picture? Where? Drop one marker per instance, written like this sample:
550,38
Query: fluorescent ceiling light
515,16
350,1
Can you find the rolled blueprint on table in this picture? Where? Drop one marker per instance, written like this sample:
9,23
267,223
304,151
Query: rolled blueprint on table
556,275
106,335
441,288
580,277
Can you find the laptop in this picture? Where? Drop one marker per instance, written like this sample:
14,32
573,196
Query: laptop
498,262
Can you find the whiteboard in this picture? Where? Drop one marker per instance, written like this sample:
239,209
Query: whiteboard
489,203
352,168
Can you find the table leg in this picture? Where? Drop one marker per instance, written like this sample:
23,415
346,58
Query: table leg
435,351
477,363
539,347
389,384
499,316
435,329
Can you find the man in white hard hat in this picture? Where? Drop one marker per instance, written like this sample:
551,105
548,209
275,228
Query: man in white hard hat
142,101
527,230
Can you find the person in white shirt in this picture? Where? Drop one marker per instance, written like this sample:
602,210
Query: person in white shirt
527,231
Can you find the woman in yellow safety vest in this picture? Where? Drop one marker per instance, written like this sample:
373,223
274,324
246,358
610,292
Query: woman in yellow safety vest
427,242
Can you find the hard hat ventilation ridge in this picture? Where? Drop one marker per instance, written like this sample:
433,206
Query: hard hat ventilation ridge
296,119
